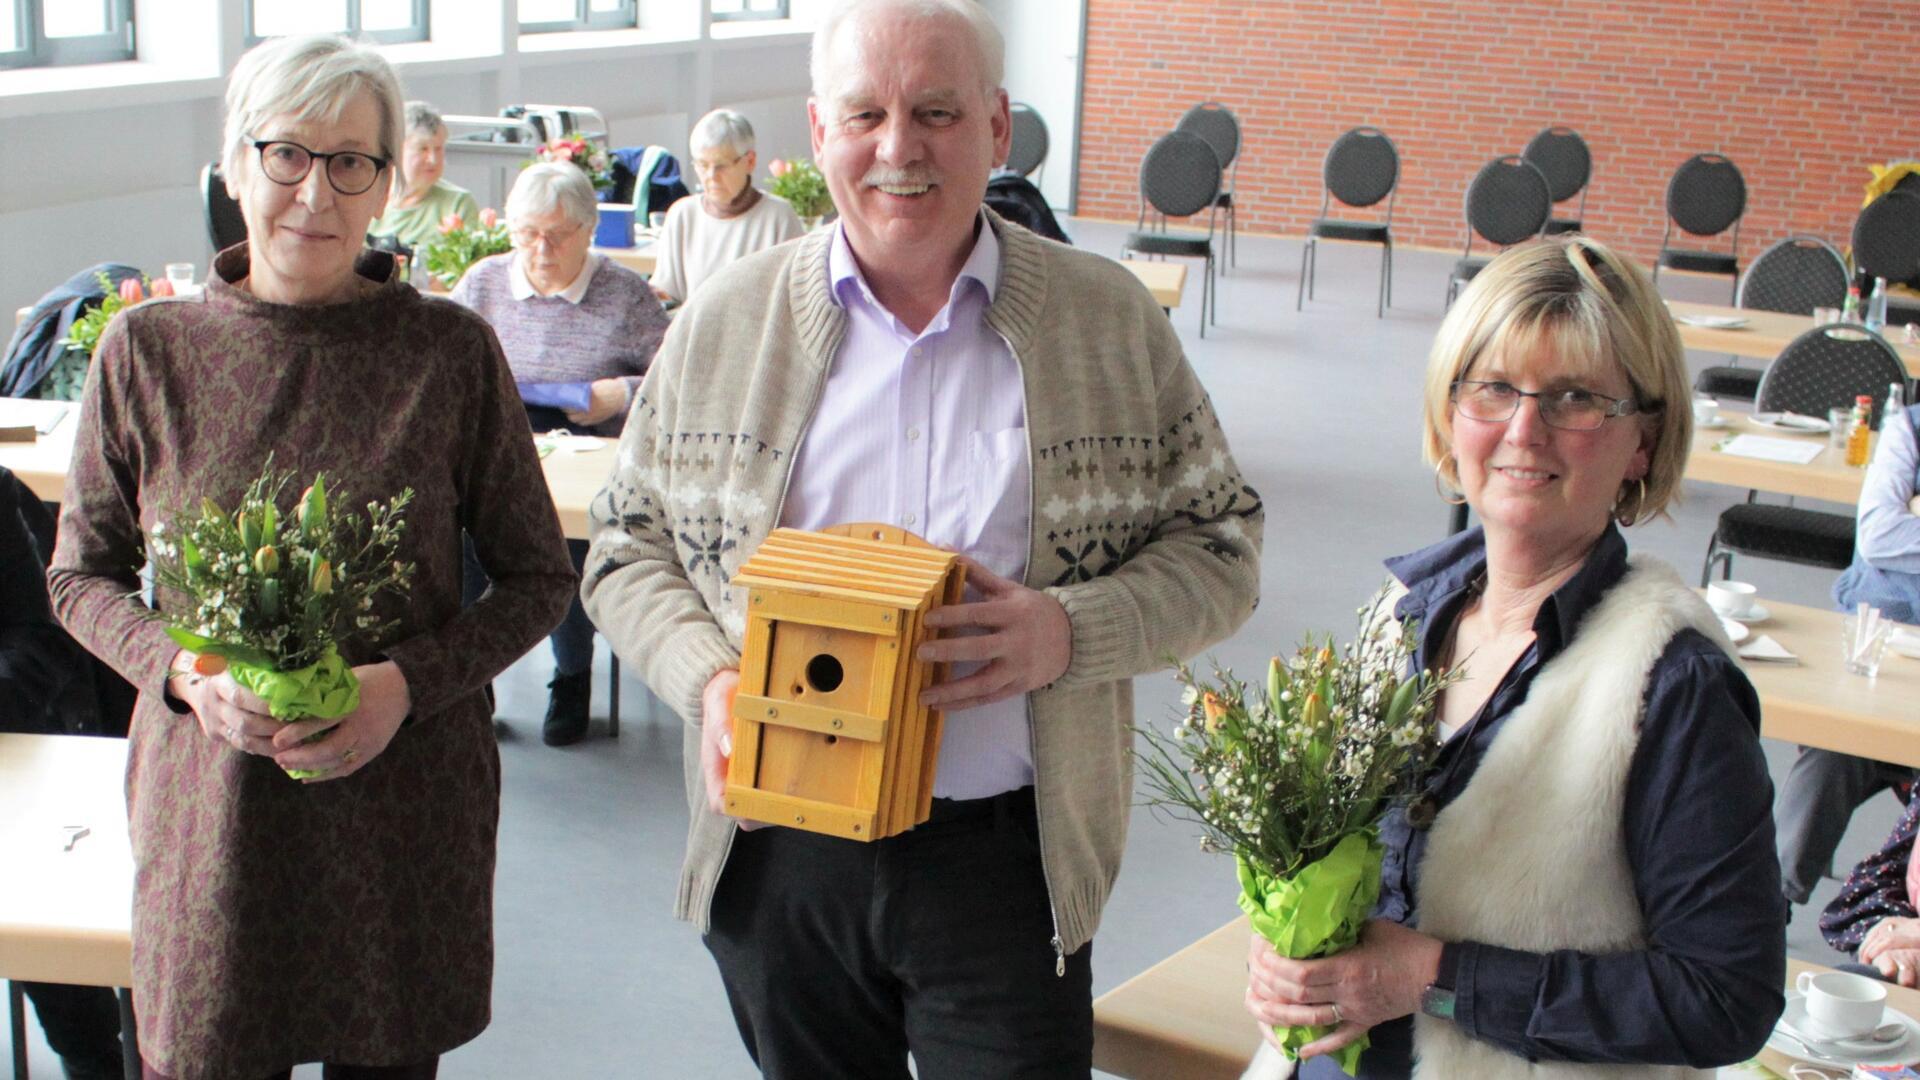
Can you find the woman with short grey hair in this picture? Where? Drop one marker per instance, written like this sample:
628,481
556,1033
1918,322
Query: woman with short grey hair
425,198
579,332
345,918
730,217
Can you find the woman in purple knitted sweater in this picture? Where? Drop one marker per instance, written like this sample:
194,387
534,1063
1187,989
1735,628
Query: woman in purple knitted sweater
579,332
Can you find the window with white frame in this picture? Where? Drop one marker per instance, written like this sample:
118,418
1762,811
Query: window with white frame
741,10
43,32
386,21
554,16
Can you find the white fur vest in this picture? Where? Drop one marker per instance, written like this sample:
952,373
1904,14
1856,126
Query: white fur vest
1530,855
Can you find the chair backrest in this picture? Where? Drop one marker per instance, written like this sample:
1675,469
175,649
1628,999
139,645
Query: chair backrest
1215,123
1706,195
1362,167
1030,142
1180,176
1795,275
1886,237
225,226
1508,201
1562,157
1826,368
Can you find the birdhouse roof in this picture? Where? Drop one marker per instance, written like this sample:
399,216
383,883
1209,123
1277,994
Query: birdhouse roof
853,568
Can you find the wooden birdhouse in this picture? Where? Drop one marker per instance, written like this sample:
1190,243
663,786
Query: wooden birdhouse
828,731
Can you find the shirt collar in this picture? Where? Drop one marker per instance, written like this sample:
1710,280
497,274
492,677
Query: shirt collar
1436,575
982,266
575,291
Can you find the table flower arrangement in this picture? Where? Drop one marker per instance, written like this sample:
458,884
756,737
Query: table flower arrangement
574,148
460,245
1293,778
68,375
274,598
800,184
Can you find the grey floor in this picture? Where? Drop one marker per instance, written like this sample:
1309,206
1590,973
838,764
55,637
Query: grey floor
595,979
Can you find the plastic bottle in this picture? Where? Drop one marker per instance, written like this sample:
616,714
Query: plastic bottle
1858,439
1851,312
1877,305
1896,408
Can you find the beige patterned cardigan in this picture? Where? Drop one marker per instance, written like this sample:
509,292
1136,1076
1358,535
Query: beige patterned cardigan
1142,526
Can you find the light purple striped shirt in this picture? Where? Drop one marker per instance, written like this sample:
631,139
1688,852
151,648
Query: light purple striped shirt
929,432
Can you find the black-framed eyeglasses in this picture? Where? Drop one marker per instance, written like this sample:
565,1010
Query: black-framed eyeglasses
349,171
1569,409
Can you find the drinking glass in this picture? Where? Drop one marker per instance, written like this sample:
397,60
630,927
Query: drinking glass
1861,649
180,276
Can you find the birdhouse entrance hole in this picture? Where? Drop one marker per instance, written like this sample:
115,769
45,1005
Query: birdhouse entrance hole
825,674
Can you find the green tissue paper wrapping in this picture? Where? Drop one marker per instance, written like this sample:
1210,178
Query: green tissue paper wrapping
324,690
1316,912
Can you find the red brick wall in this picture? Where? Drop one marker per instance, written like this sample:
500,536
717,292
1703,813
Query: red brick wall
1801,95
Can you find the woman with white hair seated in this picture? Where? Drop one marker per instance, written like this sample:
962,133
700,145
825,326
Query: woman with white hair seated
346,918
414,212
728,219
579,331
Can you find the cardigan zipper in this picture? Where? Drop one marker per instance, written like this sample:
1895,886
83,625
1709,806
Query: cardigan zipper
1033,742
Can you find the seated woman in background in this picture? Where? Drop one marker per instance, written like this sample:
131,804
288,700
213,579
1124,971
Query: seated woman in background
1588,877
1823,789
728,219
1875,915
414,213
579,331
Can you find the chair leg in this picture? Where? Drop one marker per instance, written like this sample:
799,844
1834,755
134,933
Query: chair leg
1721,555
1387,254
1380,301
17,1022
1233,234
1213,308
613,695
1733,295
1313,270
1300,295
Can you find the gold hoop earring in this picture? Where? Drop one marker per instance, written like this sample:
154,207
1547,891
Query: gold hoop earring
1450,498
1639,506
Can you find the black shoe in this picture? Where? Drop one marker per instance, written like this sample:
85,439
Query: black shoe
567,703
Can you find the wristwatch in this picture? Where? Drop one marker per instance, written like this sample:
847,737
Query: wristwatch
1437,1001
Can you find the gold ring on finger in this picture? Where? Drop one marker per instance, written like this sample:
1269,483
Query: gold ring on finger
348,757
1337,1018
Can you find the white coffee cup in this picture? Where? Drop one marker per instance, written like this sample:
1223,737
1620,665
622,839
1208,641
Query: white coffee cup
1840,1005
1704,410
1731,598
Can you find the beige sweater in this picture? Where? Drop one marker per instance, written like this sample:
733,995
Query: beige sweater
694,245
1143,527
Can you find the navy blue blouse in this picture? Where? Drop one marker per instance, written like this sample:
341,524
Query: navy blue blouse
1699,835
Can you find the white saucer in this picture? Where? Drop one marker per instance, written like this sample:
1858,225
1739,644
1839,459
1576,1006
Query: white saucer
1715,424
1754,613
1843,1052
1793,423
1713,322
1736,632
1905,642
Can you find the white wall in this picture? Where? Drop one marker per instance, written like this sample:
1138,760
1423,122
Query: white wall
1043,70
93,173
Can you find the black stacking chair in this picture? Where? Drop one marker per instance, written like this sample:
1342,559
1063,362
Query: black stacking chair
1795,276
1706,197
1824,368
1509,201
1030,142
1562,157
1179,177
1886,237
225,226
1361,170
1216,123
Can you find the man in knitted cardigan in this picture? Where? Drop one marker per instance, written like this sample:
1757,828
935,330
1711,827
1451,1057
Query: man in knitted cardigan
926,364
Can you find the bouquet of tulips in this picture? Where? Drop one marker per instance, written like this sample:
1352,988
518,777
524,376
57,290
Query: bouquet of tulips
275,597
1293,777
574,148
802,186
460,245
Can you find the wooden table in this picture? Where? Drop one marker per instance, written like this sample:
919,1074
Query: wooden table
574,479
1766,333
1827,477
1183,1018
65,916
42,463
638,259
1167,281
1818,703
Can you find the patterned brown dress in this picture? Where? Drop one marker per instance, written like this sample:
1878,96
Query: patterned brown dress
351,921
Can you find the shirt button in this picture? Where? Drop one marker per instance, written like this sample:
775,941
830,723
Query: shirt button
913,434
909,519
918,351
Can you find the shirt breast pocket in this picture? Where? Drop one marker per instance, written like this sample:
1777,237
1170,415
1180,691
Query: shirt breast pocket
999,500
